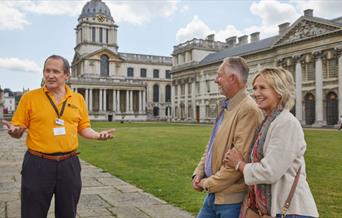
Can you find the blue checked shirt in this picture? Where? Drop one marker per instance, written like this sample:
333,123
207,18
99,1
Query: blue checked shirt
207,165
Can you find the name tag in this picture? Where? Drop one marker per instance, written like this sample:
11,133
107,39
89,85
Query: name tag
59,131
59,122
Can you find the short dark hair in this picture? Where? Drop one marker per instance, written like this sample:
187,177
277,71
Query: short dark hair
238,65
66,65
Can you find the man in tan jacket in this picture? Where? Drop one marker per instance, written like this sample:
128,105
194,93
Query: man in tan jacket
235,126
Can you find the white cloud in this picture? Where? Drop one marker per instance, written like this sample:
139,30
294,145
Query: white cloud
13,13
326,9
229,31
11,18
195,29
140,12
71,8
15,64
273,12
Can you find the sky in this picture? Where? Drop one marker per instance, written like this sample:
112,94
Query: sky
31,30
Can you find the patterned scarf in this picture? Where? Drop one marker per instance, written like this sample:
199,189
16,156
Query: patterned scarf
259,196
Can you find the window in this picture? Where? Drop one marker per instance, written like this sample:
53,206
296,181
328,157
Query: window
93,34
167,93
101,34
167,74
155,73
130,72
107,36
155,93
104,65
143,72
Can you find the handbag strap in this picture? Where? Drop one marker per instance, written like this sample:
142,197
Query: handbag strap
290,196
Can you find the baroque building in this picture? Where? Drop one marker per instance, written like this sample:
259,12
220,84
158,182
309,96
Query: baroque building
310,49
115,85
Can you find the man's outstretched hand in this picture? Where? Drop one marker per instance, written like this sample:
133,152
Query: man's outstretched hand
14,131
106,134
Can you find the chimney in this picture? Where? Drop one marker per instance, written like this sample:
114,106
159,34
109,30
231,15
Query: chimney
283,27
243,40
211,37
308,13
255,37
231,41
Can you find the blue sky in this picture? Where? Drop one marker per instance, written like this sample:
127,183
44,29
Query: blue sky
31,30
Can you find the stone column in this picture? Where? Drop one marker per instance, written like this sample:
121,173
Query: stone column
90,99
319,88
298,75
144,101
179,100
193,100
186,101
114,100
140,101
86,98
131,100
104,100
127,101
118,109
173,106
339,56
100,99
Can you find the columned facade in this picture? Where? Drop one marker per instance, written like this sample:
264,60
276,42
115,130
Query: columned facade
310,49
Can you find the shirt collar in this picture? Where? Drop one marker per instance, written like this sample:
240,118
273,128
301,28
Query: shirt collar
67,89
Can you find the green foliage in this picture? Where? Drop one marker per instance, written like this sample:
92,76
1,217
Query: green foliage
160,158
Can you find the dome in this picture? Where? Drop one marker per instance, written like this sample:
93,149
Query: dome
95,7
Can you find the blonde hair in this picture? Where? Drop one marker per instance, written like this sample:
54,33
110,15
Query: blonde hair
282,83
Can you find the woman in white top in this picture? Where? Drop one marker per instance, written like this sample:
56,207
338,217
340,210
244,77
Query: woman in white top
276,153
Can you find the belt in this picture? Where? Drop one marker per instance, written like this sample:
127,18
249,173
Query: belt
54,157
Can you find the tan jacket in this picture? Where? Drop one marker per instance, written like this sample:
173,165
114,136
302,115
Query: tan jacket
238,127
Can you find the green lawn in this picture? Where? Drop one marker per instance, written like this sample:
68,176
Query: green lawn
160,159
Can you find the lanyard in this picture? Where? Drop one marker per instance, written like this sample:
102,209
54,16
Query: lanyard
59,114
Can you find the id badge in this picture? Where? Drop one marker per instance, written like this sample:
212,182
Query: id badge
60,122
59,131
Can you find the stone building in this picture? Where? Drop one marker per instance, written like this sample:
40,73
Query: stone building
115,85
1,104
310,49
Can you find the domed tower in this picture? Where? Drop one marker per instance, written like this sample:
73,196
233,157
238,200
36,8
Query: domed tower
96,29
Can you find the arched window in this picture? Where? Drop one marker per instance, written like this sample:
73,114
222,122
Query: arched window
155,111
331,110
155,93
104,65
167,93
309,109
167,74
93,34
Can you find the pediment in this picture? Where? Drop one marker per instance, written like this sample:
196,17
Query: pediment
111,55
305,28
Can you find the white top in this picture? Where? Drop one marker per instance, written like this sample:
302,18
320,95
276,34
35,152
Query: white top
284,150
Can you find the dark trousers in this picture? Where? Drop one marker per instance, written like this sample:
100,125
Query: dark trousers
43,178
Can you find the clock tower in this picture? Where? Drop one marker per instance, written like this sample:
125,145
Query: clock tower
96,29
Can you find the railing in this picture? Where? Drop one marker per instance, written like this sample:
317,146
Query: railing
147,58
199,43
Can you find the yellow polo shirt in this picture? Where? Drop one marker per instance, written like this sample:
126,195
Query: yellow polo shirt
36,113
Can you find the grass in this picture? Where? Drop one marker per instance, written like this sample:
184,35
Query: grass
160,159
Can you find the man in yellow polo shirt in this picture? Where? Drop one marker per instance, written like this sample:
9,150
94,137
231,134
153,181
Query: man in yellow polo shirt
53,116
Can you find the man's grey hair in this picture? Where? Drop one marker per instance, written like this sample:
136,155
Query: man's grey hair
238,65
66,65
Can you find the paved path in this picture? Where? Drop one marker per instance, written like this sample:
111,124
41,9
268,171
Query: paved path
103,195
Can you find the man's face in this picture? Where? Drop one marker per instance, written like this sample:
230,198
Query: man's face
224,81
54,74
